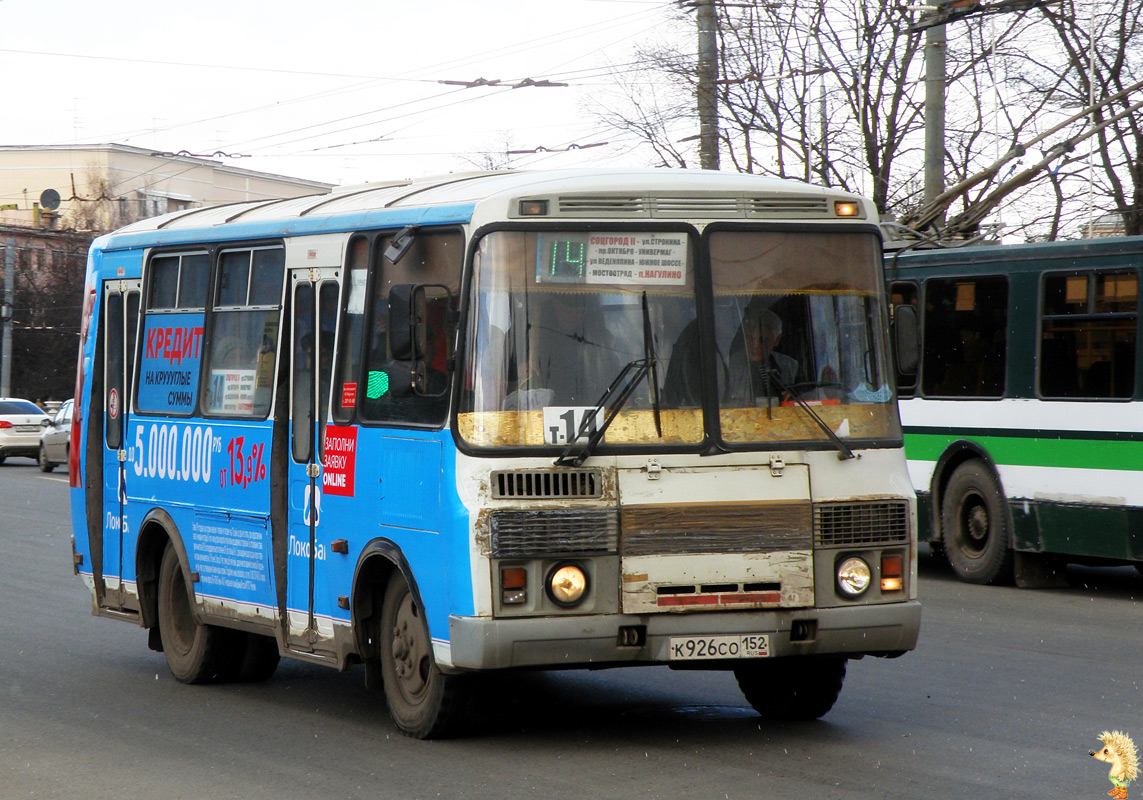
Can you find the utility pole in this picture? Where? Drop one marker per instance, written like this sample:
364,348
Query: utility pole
6,317
707,78
933,24
935,46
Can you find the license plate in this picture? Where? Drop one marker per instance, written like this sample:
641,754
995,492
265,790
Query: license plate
739,645
27,428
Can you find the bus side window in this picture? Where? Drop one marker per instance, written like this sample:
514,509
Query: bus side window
432,258
1087,335
172,340
966,337
244,331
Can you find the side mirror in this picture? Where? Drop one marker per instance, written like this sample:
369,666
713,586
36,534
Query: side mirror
46,422
407,321
906,339
409,331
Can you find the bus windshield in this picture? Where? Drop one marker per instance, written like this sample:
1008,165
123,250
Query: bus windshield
797,318
557,315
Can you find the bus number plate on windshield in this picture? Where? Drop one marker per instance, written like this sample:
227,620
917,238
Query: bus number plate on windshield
751,645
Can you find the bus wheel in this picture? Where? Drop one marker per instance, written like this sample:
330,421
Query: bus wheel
423,701
975,527
192,650
792,688
45,465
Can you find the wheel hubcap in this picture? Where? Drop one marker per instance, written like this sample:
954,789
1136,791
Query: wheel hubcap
975,524
410,651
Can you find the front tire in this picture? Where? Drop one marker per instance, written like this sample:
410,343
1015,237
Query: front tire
194,652
792,688
423,701
975,527
45,464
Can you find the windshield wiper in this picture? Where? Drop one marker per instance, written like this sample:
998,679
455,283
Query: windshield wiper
649,356
621,388
843,450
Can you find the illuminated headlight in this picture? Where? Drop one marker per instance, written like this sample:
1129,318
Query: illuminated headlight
853,576
567,584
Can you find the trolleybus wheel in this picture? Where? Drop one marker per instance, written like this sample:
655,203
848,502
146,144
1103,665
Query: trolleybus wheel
974,525
45,464
193,651
422,700
792,688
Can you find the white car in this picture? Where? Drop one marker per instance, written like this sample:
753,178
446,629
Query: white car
20,425
55,441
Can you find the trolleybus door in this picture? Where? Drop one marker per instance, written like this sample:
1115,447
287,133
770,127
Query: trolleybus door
121,319
314,306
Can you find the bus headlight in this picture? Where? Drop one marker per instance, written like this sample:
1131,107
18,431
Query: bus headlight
853,576
567,584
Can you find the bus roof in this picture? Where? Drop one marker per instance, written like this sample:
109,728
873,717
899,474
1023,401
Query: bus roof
572,194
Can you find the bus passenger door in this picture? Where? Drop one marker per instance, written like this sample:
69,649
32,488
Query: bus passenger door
314,307
121,310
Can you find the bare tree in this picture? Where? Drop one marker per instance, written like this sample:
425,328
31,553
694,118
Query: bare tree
1100,53
815,90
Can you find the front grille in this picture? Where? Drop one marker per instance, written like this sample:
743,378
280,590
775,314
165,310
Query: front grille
693,528
524,534
848,524
538,484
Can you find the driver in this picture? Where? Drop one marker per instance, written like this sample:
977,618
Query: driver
767,370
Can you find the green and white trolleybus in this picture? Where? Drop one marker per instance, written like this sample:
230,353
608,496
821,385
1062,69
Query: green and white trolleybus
498,421
1021,426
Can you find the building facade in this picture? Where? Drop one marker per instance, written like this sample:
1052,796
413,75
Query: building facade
104,186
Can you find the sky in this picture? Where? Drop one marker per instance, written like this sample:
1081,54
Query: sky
345,91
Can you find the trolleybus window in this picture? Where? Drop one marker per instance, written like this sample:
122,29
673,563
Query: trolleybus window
966,329
1087,340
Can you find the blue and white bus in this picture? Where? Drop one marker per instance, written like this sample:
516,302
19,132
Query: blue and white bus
497,421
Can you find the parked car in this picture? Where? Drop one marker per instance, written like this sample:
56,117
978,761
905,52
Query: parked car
56,439
20,425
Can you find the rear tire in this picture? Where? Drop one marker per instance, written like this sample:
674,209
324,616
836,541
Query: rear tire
975,526
45,465
194,652
792,688
423,701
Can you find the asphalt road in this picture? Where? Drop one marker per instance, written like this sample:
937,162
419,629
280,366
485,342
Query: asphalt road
1004,697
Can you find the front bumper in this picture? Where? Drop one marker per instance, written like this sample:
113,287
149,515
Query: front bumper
555,642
